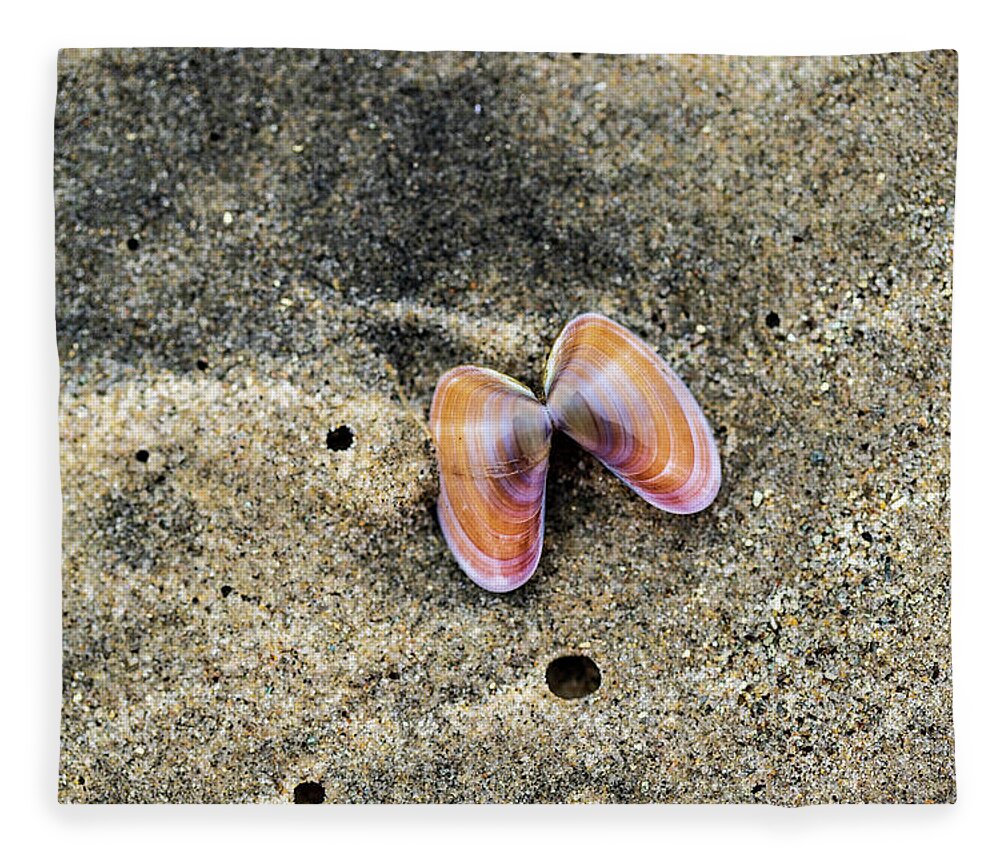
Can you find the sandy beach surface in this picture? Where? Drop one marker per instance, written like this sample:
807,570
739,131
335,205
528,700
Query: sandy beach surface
265,259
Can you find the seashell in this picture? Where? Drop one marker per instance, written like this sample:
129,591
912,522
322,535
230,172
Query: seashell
493,439
615,397
607,390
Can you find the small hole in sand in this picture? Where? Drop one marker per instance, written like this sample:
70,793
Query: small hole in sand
573,676
772,320
340,439
142,455
309,792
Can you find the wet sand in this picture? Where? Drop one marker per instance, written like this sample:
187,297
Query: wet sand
256,249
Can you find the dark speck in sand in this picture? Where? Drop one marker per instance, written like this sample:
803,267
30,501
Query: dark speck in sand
573,676
340,439
309,792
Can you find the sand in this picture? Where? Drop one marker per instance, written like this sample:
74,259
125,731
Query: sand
260,253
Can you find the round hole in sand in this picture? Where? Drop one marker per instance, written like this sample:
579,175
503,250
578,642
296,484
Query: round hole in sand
309,792
340,439
573,676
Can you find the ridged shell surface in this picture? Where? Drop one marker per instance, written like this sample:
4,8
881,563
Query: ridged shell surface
610,392
493,438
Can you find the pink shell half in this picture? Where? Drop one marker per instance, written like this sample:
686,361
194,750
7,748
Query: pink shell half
610,392
492,438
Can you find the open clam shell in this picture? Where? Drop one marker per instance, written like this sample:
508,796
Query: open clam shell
611,393
606,389
493,439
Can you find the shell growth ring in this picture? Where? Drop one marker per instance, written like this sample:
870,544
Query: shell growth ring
607,390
